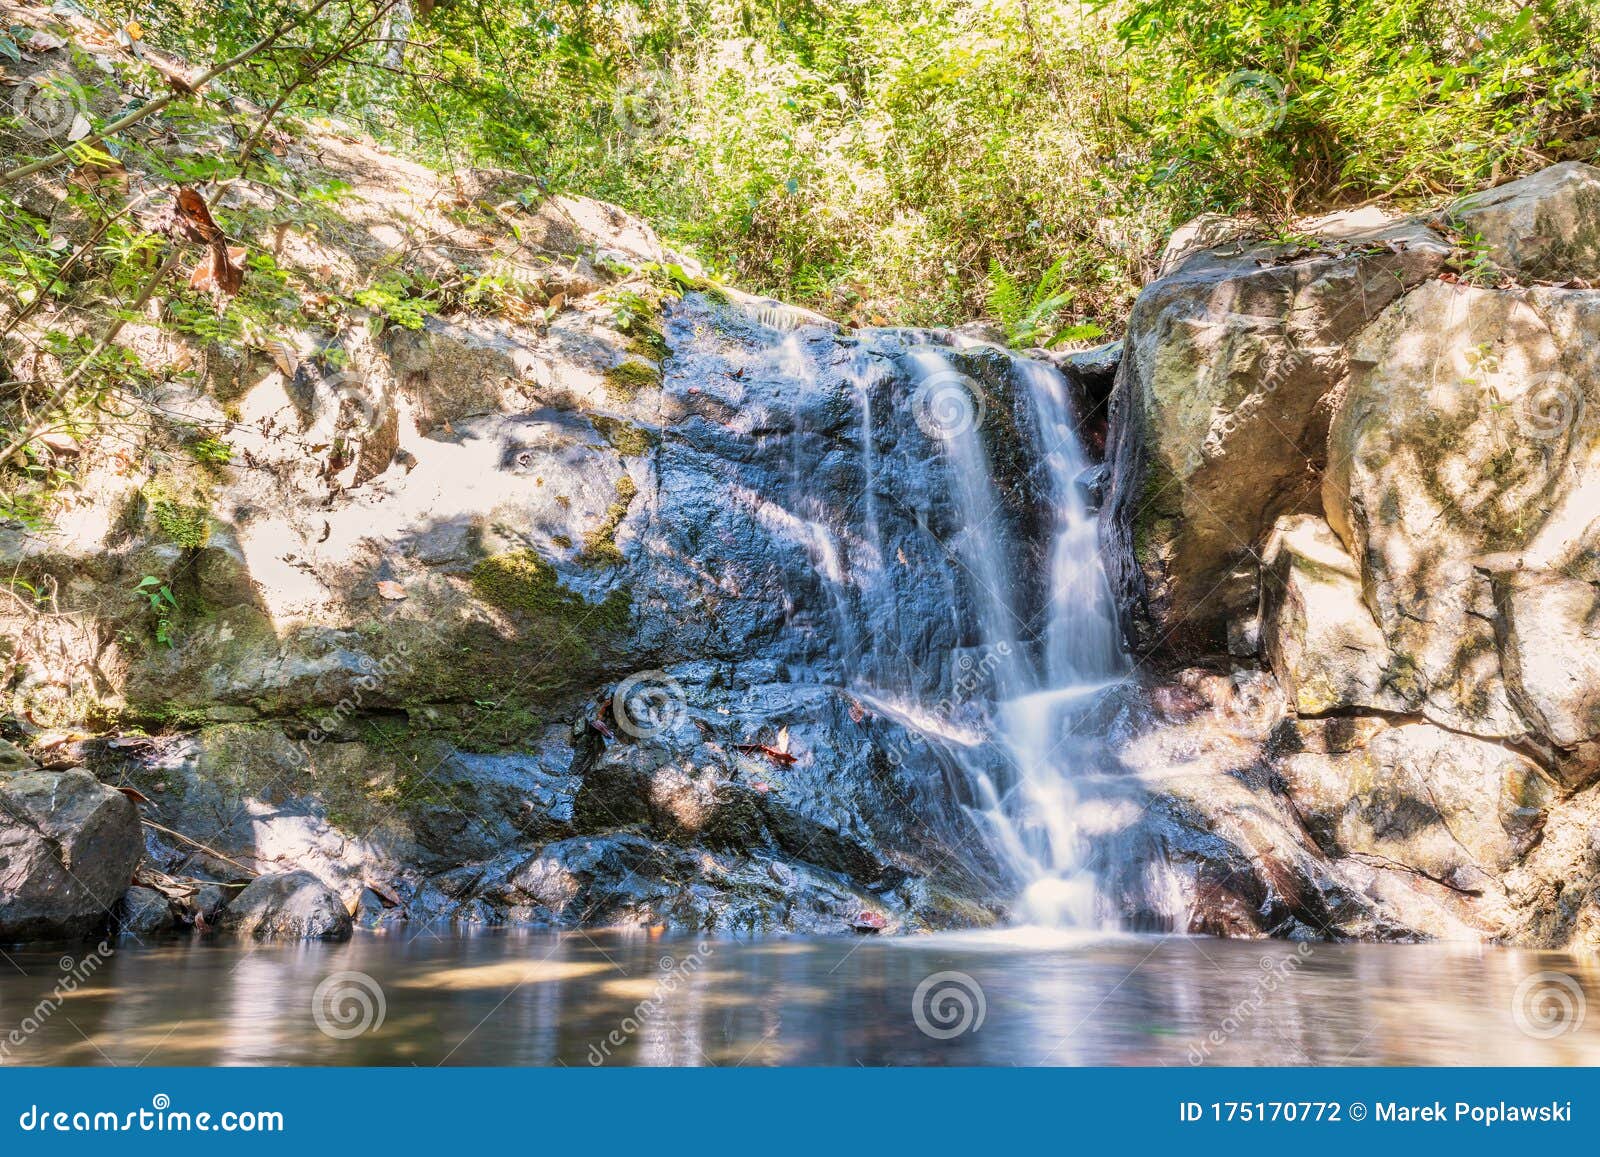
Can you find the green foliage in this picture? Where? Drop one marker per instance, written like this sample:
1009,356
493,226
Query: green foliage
186,523
890,160
158,596
210,450
1031,318
397,298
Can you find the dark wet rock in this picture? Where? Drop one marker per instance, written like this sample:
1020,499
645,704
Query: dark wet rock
68,847
1092,483
204,907
288,906
143,912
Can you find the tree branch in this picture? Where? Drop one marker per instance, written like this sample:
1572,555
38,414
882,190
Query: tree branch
146,291
159,103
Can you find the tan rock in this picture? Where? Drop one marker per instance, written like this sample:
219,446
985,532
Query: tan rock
1453,808
1466,436
1550,645
1219,419
1545,226
1318,635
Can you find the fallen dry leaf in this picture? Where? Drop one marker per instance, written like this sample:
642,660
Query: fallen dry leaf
284,356
390,589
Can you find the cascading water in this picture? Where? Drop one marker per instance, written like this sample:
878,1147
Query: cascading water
1032,608
1041,698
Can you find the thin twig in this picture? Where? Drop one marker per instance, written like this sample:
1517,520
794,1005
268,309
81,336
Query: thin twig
160,102
305,74
192,842
146,291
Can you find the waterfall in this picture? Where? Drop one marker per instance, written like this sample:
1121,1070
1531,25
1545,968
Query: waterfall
1041,697
968,604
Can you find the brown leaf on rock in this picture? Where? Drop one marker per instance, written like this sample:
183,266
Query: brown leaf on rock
284,356
390,589
772,753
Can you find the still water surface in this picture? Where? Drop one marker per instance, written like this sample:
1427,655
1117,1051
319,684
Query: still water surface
526,997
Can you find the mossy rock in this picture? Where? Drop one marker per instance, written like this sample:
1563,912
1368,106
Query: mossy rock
600,544
185,522
626,438
628,379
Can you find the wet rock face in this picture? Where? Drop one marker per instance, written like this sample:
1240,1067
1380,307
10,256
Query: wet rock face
68,847
398,681
288,906
143,912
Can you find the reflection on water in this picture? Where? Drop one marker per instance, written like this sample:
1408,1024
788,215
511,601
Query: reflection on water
525,997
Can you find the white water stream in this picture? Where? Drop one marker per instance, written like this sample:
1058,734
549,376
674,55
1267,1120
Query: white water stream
1041,696
1046,643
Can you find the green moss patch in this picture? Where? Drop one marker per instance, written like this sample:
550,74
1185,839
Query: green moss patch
186,523
600,544
627,379
626,438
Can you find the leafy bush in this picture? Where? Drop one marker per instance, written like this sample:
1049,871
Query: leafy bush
881,160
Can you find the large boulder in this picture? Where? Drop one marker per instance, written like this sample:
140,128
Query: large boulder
1542,227
1452,808
1219,416
68,846
1550,646
1464,461
1318,635
288,906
